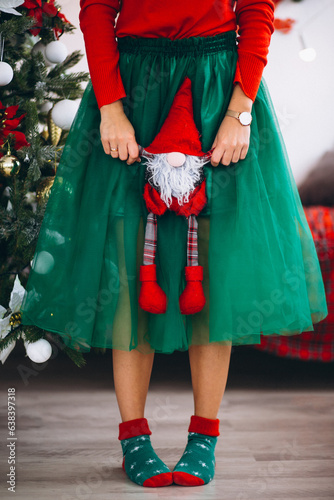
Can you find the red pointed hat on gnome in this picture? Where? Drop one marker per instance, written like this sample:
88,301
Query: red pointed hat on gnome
179,132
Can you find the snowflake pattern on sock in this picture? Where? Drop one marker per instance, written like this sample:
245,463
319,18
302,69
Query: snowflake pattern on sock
140,460
198,458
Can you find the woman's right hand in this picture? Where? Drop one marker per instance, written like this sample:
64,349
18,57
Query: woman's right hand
117,132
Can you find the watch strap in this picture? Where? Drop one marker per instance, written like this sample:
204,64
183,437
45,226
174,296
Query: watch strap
238,115
235,114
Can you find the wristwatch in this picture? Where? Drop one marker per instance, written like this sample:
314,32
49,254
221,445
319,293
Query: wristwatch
244,117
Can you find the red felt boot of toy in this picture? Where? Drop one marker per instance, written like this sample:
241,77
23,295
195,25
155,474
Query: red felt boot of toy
192,299
152,298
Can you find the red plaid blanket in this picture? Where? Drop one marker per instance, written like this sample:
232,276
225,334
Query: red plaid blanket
317,345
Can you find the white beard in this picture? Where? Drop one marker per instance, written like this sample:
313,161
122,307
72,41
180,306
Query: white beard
174,181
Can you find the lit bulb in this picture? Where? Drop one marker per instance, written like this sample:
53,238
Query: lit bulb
308,54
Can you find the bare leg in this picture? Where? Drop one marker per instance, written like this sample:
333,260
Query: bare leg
132,373
209,370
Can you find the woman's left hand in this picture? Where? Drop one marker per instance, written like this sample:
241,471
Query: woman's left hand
231,143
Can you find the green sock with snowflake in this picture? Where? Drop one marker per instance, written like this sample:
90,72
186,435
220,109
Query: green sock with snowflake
140,462
197,464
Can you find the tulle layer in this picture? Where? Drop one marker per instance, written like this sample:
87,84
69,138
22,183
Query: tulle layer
261,271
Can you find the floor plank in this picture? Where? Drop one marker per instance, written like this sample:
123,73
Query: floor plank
276,439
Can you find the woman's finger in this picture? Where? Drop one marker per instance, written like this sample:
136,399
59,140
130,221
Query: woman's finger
133,150
106,146
216,156
243,153
113,150
123,151
236,155
227,157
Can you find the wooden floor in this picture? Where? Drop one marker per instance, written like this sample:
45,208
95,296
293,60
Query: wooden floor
277,440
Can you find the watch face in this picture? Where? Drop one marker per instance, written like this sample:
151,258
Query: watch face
245,118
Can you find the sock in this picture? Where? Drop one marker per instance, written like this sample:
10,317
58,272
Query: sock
140,462
197,464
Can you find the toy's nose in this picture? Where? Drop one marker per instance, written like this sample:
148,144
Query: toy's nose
176,159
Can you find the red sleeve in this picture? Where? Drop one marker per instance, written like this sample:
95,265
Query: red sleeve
255,19
97,23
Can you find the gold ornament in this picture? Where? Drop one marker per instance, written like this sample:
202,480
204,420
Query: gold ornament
9,164
44,188
54,131
45,133
15,319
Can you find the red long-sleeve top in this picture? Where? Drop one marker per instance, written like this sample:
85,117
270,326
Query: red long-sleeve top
254,20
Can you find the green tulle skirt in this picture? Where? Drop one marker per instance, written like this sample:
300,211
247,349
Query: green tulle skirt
261,271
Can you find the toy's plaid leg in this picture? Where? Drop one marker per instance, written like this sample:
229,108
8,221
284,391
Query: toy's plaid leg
192,246
192,299
150,239
151,297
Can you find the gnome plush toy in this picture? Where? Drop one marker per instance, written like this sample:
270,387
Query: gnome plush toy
174,181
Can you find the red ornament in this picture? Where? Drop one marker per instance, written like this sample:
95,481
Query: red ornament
8,125
32,4
38,8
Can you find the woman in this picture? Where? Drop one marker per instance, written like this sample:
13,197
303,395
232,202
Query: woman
261,272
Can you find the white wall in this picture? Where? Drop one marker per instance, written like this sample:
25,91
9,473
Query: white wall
302,92
73,41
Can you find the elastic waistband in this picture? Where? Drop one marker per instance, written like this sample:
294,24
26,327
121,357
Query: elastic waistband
166,46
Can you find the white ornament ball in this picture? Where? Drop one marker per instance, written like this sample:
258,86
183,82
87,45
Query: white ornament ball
6,73
46,106
39,351
44,262
40,47
56,52
63,113
176,159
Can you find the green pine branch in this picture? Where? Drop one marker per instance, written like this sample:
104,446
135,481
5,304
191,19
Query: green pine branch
33,82
12,336
67,86
70,61
14,25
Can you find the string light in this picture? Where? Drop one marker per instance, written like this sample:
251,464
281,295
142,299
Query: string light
307,54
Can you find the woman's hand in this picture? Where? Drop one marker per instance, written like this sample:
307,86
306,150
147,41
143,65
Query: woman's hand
117,132
232,140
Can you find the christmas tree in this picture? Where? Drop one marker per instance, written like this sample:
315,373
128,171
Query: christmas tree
37,107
